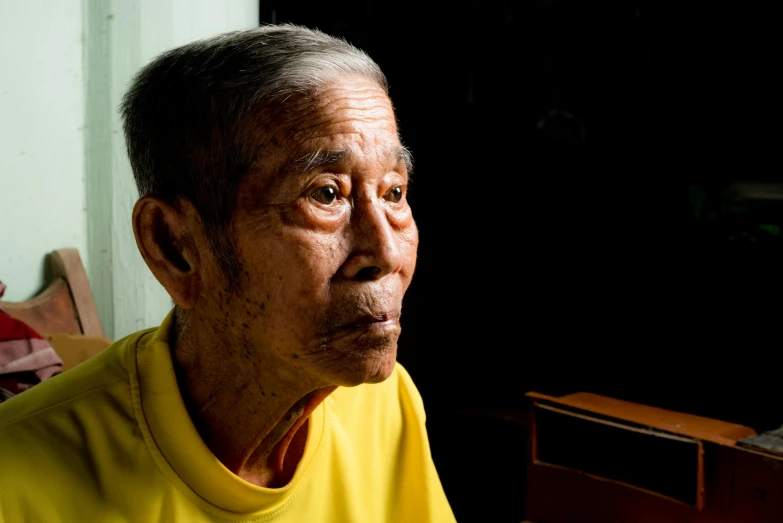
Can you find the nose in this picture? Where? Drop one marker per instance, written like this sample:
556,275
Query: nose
375,242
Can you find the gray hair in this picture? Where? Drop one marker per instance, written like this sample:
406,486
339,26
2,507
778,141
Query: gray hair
191,116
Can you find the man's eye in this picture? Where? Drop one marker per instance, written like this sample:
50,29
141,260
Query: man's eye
395,195
325,195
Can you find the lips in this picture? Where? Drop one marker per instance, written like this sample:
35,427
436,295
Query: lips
359,333
366,311
371,319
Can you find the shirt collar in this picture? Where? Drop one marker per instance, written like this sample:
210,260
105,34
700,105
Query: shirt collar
171,433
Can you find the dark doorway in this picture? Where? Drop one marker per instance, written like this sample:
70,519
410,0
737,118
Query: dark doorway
585,218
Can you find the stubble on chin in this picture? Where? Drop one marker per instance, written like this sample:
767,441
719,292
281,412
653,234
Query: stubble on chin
355,356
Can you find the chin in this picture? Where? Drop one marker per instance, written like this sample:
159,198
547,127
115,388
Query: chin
374,367
357,355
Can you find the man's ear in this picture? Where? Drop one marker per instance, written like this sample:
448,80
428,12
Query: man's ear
164,235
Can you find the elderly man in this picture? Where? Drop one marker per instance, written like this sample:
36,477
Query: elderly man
273,210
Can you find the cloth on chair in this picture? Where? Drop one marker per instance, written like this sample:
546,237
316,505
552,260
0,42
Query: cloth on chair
26,358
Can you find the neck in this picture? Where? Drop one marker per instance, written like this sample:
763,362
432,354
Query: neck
250,410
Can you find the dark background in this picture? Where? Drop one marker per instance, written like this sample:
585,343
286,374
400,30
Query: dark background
581,224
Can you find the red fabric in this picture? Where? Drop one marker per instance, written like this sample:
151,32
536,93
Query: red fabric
26,358
13,329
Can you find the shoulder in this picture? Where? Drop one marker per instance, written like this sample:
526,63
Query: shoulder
63,434
73,389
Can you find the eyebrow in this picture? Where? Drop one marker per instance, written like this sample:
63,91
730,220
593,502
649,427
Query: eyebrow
326,157
320,158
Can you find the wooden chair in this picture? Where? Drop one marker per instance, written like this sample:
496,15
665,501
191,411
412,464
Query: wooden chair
66,305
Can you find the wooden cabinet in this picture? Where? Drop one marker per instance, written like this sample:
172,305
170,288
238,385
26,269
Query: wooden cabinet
595,459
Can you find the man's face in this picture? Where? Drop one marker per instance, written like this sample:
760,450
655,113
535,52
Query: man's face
327,239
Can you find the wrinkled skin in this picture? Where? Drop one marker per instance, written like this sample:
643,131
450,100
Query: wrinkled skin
329,253
327,244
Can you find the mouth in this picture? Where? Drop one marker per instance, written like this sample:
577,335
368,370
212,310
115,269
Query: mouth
360,335
367,326
374,320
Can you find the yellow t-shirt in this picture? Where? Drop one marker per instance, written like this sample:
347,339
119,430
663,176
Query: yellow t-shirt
111,441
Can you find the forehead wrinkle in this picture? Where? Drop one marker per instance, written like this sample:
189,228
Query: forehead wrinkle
322,128
349,97
351,108
308,123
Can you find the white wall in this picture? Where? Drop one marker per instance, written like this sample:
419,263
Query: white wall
64,67
42,191
122,36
